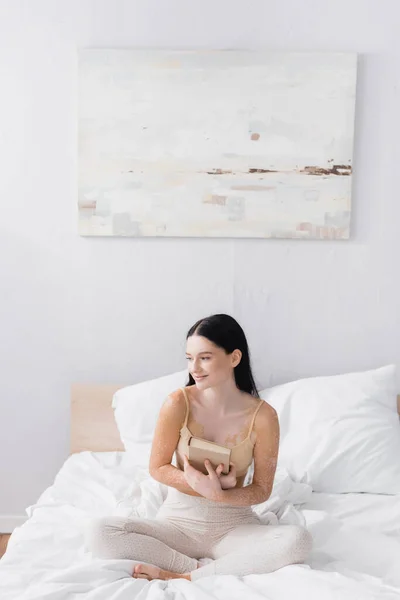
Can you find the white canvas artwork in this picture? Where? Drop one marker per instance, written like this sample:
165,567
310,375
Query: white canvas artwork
216,143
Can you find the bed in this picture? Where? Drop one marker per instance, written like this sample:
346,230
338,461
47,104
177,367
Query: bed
356,554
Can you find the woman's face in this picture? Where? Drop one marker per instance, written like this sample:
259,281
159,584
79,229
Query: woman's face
209,364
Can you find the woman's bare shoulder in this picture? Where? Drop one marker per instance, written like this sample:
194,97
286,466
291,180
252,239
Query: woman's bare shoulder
176,395
175,403
266,416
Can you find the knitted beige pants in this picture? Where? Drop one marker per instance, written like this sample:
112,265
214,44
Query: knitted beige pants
188,528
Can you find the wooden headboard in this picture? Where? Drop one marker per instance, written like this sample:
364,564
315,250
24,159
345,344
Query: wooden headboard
92,418
93,425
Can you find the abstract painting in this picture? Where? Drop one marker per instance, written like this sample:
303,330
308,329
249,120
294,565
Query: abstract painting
236,144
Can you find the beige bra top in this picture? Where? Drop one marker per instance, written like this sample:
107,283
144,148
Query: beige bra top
241,454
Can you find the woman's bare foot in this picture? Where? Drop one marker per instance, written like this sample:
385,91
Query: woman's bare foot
150,572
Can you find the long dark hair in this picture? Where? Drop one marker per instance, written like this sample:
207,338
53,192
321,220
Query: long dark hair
225,332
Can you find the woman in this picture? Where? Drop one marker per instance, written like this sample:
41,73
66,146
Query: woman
206,525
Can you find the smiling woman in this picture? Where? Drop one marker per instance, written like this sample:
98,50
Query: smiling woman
208,358
215,345
206,525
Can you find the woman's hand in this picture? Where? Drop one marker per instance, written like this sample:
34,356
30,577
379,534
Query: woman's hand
208,485
227,481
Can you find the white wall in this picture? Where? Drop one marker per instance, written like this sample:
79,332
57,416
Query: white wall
117,310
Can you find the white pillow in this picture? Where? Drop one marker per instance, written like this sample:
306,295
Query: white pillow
136,407
341,433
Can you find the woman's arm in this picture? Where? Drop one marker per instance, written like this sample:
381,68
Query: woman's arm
166,437
266,450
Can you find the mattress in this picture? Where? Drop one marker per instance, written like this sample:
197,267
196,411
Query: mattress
356,554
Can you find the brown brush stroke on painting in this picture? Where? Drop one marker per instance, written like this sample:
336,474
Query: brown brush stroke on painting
334,170
340,170
262,171
322,231
215,199
219,172
87,205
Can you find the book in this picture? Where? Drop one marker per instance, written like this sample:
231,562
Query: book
201,450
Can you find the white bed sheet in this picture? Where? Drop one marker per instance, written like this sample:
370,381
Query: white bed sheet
356,553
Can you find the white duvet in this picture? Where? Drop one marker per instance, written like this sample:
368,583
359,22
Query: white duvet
356,553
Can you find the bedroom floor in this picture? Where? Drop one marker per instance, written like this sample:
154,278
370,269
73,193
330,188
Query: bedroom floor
4,537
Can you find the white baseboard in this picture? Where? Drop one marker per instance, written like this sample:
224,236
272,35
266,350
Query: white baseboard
9,522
